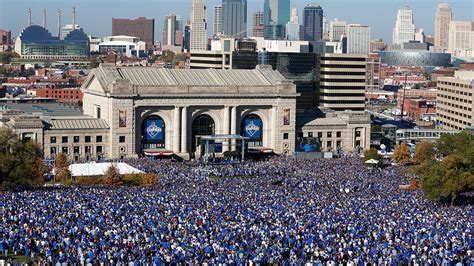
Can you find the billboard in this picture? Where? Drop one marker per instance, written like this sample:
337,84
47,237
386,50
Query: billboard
154,130
252,129
308,144
122,118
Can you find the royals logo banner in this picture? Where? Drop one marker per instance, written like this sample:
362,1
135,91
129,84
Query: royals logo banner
154,130
253,128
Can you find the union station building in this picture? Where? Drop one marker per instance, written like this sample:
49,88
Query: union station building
146,111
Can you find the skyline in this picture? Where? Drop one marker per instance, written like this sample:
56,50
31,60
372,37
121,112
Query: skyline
381,22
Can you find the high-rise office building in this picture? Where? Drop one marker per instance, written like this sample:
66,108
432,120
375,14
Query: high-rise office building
325,29
455,101
342,81
198,38
420,35
404,30
358,39
442,20
169,30
258,25
313,22
234,18
461,38
337,28
217,22
187,36
276,16
293,27
142,28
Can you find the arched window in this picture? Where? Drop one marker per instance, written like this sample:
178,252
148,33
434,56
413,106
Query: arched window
203,125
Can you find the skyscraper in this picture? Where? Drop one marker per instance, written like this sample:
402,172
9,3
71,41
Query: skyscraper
358,39
234,18
142,28
198,38
276,16
337,28
258,26
461,38
169,30
293,27
313,23
217,30
442,20
404,30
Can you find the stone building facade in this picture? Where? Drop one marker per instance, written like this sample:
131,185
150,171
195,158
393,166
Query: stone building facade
151,110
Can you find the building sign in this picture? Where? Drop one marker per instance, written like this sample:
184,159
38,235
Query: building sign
286,117
122,118
253,129
154,130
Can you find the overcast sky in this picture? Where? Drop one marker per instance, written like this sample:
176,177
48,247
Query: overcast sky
95,16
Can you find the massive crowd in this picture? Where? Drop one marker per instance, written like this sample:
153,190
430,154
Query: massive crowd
283,210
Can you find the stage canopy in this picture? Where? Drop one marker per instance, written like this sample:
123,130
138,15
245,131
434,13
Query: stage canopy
98,169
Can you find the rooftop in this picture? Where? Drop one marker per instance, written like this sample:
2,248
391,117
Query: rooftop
151,76
78,123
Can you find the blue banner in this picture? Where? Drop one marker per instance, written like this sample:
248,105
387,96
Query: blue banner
154,130
253,129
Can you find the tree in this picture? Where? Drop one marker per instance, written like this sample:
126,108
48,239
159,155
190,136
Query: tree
167,56
455,144
112,176
446,180
149,179
424,151
373,154
94,62
21,162
28,72
61,166
401,153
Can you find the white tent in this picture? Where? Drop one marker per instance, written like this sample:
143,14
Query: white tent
372,161
96,169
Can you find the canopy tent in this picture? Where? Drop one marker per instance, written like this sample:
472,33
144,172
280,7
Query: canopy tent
97,169
372,161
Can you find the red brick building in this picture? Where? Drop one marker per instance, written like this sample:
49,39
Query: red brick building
68,96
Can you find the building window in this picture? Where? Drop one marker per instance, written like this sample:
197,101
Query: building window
87,139
338,143
121,139
285,135
357,143
97,110
76,150
310,134
64,139
320,135
338,134
87,149
52,150
98,149
65,150
357,133
76,139
329,134
329,144
52,139
98,139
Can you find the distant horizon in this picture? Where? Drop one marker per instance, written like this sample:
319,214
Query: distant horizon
91,17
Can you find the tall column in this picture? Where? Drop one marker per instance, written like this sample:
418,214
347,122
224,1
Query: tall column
233,125
274,128
225,147
184,130
176,122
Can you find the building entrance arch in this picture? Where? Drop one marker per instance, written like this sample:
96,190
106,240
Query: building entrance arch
153,133
252,128
203,125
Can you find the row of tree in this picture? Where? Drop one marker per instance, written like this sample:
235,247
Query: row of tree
446,166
